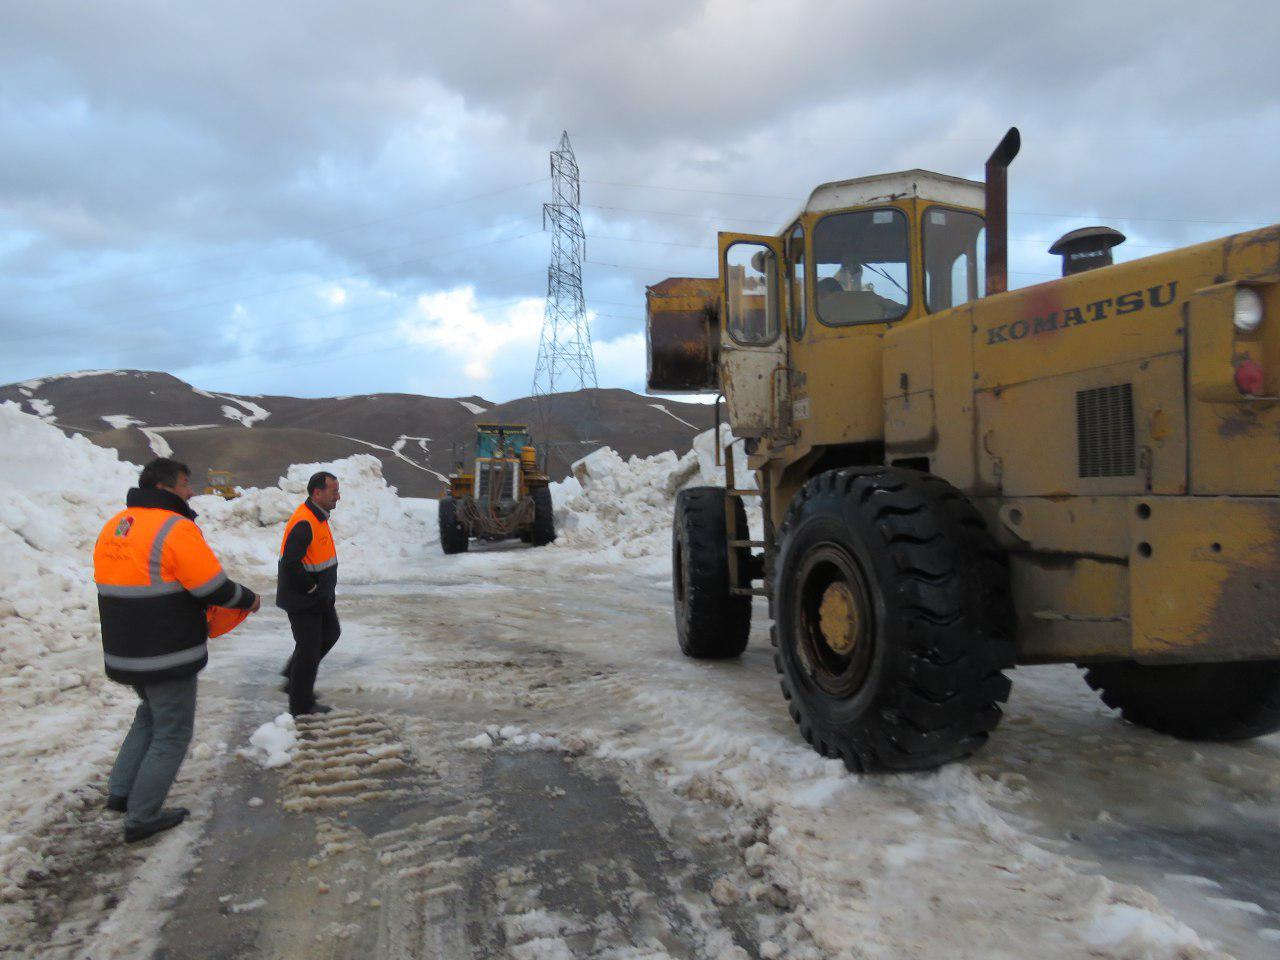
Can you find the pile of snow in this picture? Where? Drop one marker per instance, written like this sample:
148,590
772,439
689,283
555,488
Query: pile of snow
272,744
624,507
512,737
374,528
54,499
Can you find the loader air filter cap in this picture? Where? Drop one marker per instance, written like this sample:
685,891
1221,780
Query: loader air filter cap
1086,248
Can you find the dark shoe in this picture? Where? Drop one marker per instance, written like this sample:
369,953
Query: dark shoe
284,688
314,708
117,804
168,818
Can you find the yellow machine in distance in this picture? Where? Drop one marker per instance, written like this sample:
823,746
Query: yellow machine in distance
503,496
958,478
218,484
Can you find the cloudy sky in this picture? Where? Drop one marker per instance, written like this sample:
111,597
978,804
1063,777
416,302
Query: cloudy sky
328,197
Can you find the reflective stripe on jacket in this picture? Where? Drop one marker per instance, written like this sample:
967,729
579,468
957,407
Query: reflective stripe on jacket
308,569
155,575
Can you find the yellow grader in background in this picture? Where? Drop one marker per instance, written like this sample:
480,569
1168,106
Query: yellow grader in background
218,483
958,478
503,497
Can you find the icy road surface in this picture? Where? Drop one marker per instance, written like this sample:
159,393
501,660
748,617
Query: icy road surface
522,765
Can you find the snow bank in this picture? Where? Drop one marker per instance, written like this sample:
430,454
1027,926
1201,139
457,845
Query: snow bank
373,526
623,508
55,494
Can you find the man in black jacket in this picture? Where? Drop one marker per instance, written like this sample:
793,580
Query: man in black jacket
156,577
306,587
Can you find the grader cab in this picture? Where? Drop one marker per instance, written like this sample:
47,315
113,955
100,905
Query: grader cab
957,478
503,496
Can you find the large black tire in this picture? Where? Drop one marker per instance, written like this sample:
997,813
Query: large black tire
711,622
1194,701
544,517
454,535
893,619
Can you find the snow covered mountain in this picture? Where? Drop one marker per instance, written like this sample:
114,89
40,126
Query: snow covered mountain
417,438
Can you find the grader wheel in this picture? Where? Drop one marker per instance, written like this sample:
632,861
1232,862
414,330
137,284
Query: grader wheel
544,517
454,535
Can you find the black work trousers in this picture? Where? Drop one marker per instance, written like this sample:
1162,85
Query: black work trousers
314,634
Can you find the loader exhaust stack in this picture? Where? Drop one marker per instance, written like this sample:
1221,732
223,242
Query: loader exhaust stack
997,204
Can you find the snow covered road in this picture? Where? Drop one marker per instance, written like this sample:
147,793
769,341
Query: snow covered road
523,765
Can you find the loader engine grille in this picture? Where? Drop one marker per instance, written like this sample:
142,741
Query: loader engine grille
485,473
1104,432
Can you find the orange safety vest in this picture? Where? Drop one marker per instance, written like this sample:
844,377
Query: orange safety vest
152,568
322,552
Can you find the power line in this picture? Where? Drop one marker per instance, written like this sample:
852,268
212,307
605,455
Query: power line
279,240
715,193
170,311
291,352
704,246
793,199
675,213
666,270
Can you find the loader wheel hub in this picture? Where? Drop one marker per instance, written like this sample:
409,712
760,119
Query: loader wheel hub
834,620
839,619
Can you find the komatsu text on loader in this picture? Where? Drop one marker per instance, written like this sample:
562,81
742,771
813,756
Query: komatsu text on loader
503,496
957,478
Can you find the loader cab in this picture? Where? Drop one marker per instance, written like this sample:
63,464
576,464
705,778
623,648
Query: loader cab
805,312
888,248
802,313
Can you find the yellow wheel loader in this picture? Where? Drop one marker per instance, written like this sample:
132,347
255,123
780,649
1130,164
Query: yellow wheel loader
957,478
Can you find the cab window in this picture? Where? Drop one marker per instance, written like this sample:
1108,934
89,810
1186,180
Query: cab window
954,258
860,262
751,275
795,278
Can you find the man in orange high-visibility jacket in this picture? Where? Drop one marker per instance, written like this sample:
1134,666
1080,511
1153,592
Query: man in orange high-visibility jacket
156,576
305,589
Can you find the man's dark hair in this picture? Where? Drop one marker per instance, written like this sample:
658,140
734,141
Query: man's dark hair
162,470
319,481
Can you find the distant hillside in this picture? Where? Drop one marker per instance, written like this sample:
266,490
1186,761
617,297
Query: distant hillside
143,414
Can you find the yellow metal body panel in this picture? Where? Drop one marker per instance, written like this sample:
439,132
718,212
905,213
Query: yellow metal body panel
1025,450
1205,578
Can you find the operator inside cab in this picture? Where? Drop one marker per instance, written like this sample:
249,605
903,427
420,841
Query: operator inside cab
861,263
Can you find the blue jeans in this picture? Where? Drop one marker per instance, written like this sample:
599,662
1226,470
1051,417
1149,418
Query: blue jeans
155,747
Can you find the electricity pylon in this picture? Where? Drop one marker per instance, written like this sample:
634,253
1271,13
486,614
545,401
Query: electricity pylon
565,358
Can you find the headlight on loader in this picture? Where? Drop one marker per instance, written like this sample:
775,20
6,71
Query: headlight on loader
1248,310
